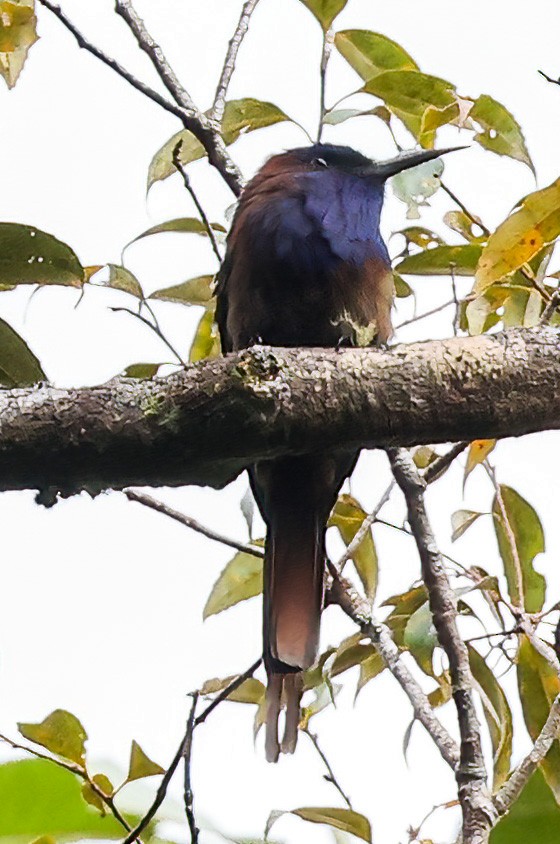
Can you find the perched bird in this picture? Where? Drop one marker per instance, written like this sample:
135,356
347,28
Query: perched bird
305,266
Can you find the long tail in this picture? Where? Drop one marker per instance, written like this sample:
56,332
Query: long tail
295,496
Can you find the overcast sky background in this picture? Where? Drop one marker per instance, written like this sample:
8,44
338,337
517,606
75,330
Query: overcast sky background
102,600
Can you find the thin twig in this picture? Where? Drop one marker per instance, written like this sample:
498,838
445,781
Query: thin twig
436,469
112,63
225,693
425,314
472,217
187,752
228,69
456,318
550,308
128,13
330,776
196,122
155,328
360,534
167,777
187,183
328,42
471,775
79,771
549,78
160,507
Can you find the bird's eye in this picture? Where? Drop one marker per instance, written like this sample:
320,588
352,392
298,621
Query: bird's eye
320,162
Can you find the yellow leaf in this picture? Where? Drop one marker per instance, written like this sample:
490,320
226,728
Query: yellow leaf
17,34
534,224
61,733
140,765
477,454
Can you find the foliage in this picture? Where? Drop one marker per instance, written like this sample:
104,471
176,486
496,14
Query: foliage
510,285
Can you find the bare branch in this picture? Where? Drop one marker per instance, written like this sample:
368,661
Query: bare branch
188,792
329,776
357,608
112,63
195,122
429,313
225,693
160,507
363,529
228,69
183,749
510,791
328,42
187,183
478,811
436,469
549,78
128,13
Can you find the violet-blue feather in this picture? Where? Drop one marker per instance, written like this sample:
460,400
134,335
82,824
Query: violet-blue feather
329,218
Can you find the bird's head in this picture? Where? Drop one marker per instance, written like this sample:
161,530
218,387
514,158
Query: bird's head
347,160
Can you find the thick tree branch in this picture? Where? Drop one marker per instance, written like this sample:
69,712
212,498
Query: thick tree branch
510,791
478,811
205,424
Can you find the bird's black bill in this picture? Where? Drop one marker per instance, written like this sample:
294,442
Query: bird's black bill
386,169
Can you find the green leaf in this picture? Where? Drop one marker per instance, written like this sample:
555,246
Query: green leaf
206,342
140,765
325,10
370,668
520,538
422,102
195,291
181,225
442,260
370,53
18,33
533,817
142,370
420,638
419,236
240,116
348,516
61,733
241,579
405,605
31,256
344,819
461,520
323,696
92,797
539,685
533,225
415,186
39,798
350,652
18,365
498,716
402,288
501,133
122,279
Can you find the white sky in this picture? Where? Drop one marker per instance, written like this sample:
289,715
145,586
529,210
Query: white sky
103,599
